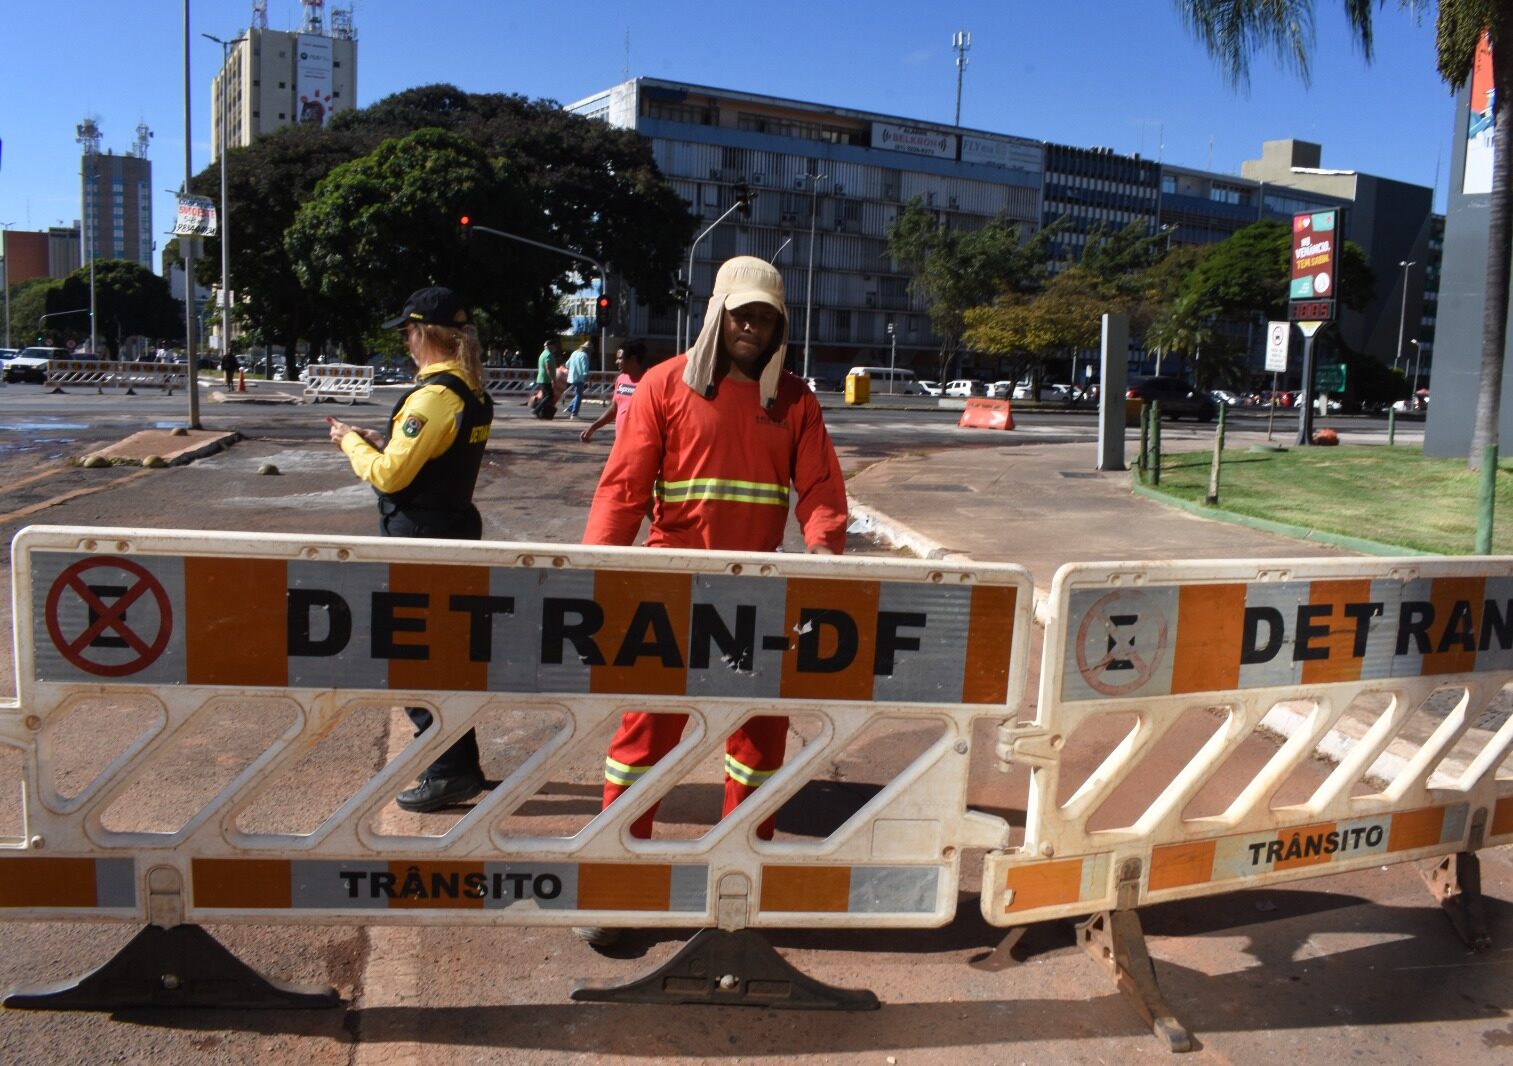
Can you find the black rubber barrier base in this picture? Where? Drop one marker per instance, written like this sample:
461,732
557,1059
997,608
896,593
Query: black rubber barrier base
179,967
738,969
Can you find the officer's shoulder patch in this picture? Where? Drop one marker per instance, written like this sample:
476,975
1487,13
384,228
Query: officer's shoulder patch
412,425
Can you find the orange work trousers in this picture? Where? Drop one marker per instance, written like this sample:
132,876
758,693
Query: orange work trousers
753,753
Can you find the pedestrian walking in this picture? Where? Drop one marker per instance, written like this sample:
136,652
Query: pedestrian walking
715,442
424,469
577,376
630,361
544,400
229,367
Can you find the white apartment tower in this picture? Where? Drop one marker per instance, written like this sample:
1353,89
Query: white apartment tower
274,79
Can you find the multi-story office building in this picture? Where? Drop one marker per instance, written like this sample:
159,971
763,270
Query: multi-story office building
274,78
116,191
853,171
842,174
50,253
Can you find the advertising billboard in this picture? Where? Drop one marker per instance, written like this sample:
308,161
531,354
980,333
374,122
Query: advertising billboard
913,140
312,79
1477,177
1315,250
994,152
195,217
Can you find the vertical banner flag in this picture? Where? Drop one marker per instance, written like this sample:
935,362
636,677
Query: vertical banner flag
312,79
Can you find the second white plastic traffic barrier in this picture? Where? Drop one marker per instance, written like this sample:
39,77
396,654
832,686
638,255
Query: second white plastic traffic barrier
338,381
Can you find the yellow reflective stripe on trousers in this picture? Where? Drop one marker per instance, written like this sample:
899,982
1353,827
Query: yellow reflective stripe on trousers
742,774
714,488
619,773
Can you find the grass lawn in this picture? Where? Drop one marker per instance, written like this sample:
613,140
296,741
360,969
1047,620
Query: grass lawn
1391,495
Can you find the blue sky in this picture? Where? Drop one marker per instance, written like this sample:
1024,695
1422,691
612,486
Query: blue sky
1118,73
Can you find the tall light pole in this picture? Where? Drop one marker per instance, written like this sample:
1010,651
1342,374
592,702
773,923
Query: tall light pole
961,43
5,275
1402,318
225,226
88,134
186,250
814,201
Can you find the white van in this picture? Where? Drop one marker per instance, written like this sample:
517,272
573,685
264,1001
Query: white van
902,382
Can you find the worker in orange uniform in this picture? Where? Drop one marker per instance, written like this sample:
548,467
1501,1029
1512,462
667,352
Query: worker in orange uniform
715,441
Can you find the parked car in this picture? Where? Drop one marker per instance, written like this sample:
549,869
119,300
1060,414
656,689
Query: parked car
1177,398
1000,390
31,363
961,387
931,388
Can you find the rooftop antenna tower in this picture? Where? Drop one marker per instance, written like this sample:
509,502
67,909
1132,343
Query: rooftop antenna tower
139,146
87,133
259,14
341,24
961,44
315,20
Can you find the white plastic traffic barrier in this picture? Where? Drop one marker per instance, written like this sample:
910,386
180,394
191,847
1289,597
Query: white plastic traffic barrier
101,374
333,381
307,630
1414,647
514,381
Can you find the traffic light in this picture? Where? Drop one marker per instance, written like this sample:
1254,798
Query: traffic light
602,312
465,227
743,198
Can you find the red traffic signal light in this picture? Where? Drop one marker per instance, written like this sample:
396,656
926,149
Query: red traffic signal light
465,227
602,313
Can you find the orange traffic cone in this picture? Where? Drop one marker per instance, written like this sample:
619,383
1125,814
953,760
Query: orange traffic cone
241,381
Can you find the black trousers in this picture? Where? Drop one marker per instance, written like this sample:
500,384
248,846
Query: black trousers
461,759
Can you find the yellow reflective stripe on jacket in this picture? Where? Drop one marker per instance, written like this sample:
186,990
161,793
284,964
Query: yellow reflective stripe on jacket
619,773
714,488
742,774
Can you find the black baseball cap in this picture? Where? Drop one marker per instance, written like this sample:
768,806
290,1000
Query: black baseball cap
435,306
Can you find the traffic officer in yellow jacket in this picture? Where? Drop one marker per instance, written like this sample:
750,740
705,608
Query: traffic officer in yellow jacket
424,469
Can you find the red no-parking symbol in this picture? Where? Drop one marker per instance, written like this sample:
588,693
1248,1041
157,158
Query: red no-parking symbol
1120,643
106,625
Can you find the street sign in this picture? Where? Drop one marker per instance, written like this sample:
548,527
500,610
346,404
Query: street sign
1278,336
1331,378
1315,251
196,217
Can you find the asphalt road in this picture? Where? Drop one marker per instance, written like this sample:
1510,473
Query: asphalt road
1352,966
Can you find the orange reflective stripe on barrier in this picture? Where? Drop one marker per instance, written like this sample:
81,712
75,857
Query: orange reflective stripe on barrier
986,414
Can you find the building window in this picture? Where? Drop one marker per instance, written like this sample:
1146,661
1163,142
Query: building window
280,85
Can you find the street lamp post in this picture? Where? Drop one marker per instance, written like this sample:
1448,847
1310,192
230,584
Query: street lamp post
186,251
225,226
892,357
687,338
5,275
1402,318
814,199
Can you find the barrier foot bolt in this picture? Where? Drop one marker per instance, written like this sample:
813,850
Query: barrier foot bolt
179,967
1115,939
1456,883
736,969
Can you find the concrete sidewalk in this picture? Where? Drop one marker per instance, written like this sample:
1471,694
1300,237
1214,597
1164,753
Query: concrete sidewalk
1041,505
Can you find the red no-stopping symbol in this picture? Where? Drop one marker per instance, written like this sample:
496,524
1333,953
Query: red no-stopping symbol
107,625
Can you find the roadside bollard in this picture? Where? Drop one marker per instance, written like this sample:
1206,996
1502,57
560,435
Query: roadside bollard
1145,429
1212,499
1391,426
1156,442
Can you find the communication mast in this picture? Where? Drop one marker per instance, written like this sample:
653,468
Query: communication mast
139,146
87,133
260,14
961,44
315,20
341,24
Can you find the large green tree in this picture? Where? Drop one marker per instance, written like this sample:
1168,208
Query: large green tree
28,303
130,301
1232,30
955,270
582,184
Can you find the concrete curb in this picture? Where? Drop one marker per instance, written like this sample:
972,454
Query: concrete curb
895,534
1266,525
